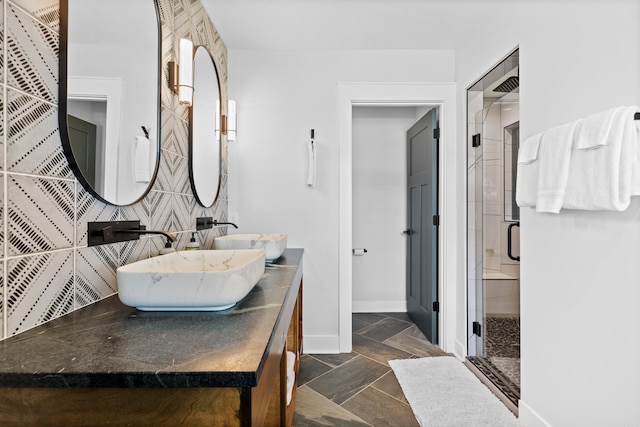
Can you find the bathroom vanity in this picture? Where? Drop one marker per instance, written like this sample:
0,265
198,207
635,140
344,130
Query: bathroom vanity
109,364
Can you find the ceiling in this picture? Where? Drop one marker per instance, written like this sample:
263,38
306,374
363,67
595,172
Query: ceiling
350,24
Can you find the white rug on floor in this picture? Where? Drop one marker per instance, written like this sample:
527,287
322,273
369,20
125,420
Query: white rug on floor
443,392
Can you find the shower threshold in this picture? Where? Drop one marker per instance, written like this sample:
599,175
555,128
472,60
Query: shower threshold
505,386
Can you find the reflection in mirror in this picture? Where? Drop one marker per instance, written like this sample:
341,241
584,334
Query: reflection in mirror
109,92
511,147
204,152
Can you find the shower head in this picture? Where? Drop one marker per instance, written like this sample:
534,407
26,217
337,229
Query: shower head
508,85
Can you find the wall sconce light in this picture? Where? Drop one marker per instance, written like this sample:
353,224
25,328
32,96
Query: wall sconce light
226,124
181,74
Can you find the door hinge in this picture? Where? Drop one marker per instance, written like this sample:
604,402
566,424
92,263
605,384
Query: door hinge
436,306
436,220
475,140
436,133
477,328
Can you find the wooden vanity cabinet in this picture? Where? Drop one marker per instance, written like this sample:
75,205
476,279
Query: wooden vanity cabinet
210,397
271,409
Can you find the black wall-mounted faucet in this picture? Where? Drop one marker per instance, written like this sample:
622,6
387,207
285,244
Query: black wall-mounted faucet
216,222
170,237
208,222
203,223
105,232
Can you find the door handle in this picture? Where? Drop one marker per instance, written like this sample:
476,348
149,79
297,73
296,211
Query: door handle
407,232
509,231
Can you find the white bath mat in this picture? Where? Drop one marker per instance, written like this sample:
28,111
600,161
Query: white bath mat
443,392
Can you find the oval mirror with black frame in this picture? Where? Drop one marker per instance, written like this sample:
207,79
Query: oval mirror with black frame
109,95
204,143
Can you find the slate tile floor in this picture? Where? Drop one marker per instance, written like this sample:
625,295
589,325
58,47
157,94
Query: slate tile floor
359,388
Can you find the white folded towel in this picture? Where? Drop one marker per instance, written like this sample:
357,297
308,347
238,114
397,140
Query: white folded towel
594,130
291,374
600,170
605,177
311,174
555,160
527,174
141,155
291,362
528,151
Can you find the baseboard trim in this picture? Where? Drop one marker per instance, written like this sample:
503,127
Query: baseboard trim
459,350
530,418
379,307
321,344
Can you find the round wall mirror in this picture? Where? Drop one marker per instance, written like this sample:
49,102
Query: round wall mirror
109,95
204,150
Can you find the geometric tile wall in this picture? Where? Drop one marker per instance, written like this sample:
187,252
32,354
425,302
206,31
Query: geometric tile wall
46,269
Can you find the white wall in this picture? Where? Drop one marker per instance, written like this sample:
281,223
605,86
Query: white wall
281,95
579,358
380,207
579,270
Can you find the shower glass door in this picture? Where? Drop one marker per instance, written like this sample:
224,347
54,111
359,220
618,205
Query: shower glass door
493,227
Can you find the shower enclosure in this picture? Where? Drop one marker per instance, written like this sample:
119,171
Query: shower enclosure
493,282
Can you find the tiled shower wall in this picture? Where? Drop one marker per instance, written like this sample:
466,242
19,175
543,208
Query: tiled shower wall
496,116
47,268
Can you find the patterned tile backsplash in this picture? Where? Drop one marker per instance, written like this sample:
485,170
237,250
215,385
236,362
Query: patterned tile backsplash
47,270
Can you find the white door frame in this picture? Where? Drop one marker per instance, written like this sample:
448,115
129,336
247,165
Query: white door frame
109,90
443,96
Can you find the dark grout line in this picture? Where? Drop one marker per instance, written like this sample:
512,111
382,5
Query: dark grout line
393,397
389,371
379,363
318,360
322,374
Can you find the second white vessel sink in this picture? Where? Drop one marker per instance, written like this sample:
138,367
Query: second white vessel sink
273,244
204,280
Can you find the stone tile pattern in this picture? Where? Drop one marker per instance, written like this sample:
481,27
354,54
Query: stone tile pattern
359,388
502,337
47,270
501,360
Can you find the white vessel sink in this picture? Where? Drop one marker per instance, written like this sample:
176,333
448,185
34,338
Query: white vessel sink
204,280
273,244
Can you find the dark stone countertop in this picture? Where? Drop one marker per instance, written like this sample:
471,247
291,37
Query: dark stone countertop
108,344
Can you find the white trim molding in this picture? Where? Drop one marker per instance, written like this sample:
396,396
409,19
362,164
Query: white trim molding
320,344
530,418
108,90
443,96
379,306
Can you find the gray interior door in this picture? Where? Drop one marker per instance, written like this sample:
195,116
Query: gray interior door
82,136
422,234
